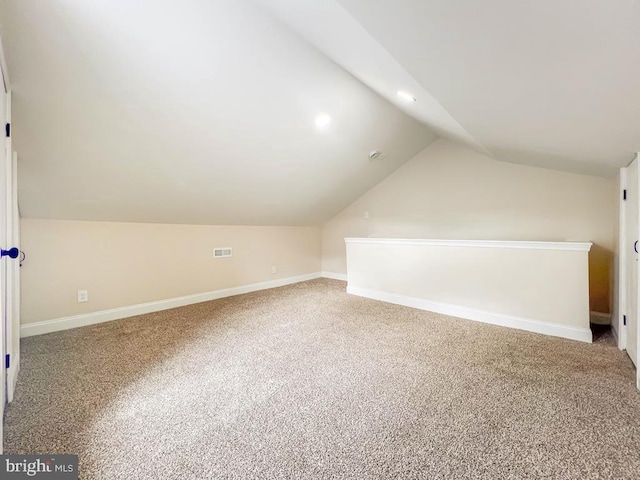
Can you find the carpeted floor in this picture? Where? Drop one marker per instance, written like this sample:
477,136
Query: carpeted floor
308,382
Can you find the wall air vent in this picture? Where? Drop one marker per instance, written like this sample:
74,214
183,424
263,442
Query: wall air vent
222,252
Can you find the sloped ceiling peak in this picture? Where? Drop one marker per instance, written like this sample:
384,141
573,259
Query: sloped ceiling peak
331,29
188,112
544,83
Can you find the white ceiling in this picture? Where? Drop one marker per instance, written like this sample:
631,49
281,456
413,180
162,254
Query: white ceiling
333,31
188,112
545,83
203,111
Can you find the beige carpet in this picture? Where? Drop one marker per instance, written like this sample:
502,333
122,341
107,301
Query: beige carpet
308,382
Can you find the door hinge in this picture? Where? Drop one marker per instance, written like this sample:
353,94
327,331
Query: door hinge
7,130
624,194
624,320
7,360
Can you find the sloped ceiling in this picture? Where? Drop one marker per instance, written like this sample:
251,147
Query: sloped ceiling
546,83
203,111
195,111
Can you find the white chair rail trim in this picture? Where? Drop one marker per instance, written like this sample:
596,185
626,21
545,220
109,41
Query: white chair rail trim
575,246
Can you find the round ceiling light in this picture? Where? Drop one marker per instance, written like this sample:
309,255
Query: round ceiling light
323,120
406,96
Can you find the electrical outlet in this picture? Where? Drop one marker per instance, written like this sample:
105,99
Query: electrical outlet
83,296
366,214
274,269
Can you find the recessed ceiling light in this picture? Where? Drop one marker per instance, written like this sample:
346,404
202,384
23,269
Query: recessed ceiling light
323,120
406,96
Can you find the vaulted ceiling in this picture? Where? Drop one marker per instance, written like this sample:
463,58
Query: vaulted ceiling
195,111
203,111
546,83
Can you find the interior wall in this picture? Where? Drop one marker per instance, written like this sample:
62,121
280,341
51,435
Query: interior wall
122,264
499,284
452,192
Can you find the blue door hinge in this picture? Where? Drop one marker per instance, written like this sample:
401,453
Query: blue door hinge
7,360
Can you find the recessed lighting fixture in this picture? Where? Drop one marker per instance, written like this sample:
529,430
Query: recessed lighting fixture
406,96
323,120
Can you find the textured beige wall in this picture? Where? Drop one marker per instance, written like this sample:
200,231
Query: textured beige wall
449,191
123,264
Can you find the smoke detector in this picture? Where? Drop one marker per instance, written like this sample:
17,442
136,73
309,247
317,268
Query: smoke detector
376,155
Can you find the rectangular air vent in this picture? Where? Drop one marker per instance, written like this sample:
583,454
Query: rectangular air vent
222,252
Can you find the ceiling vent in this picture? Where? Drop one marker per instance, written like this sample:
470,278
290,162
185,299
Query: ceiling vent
376,155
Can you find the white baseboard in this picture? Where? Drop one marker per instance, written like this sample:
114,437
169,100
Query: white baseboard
335,276
65,323
600,318
536,326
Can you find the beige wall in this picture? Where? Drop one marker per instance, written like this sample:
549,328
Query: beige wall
449,191
123,264
499,283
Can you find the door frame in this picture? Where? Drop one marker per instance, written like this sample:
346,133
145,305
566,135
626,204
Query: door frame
6,88
12,304
12,266
621,330
623,249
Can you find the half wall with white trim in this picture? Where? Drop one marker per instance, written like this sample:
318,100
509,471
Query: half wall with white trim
541,287
450,191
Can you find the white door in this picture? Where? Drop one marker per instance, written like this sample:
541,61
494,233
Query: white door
632,247
3,160
12,305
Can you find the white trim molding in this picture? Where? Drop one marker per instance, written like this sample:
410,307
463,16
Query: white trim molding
335,276
536,326
620,328
65,323
575,246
